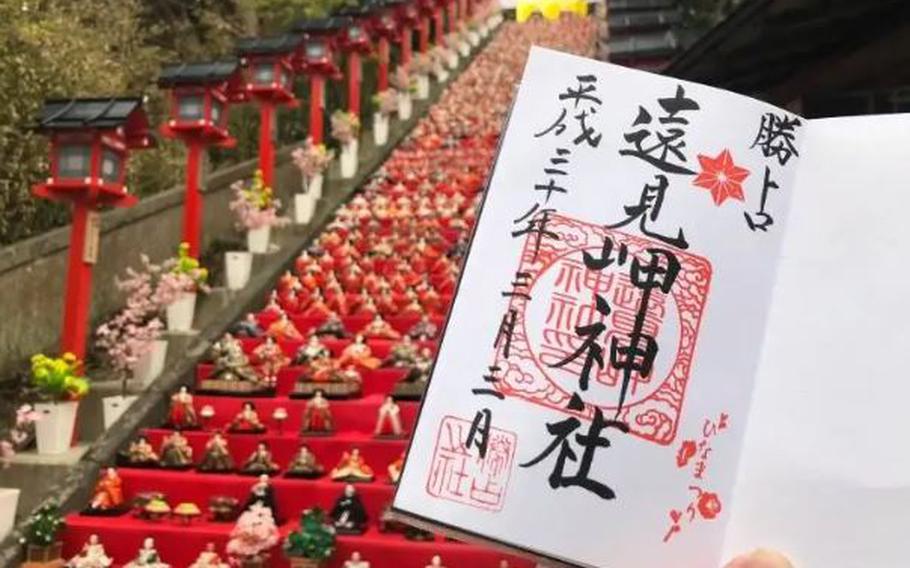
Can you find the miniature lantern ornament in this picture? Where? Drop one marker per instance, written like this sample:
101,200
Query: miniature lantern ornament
200,96
354,41
269,75
90,143
317,61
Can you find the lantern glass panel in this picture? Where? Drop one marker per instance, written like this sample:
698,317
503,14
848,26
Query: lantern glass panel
315,51
217,111
264,73
191,107
354,33
74,161
110,166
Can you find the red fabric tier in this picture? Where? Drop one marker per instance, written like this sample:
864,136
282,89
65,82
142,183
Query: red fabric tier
179,545
379,381
358,415
378,453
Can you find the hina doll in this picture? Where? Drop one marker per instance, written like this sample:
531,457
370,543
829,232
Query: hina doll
233,372
260,461
318,307
216,457
356,561
182,414
209,558
412,386
141,453
402,354
424,330
394,468
247,327
332,327
108,495
435,562
317,416
92,555
263,493
304,464
379,329
366,307
269,359
352,468
247,420
388,420
176,452
148,557
283,329
311,351
359,355
349,516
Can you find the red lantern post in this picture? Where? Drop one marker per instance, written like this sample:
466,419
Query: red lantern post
90,144
270,82
318,62
385,29
427,10
201,94
355,42
408,18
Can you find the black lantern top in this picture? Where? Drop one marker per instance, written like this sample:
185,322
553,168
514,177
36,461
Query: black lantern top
273,45
209,73
126,113
323,26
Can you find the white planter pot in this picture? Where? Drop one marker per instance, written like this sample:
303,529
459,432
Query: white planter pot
464,49
238,265
380,129
54,430
474,38
442,76
180,312
150,365
257,240
313,187
452,59
9,502
348,160
405,106
304,207
423,87
114,407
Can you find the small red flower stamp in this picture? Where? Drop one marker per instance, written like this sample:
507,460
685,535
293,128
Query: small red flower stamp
686,452
457,474
708,505
721,177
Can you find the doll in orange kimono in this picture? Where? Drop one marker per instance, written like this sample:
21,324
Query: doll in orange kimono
359,355
380,329
283,329
108,497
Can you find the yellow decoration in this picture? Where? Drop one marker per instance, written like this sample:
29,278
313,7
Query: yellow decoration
549,9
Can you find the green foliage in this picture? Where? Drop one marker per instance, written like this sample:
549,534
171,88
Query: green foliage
314,540
61,48
58,378
276,16
43,527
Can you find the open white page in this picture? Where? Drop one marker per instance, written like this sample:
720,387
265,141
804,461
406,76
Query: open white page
620,166
825,472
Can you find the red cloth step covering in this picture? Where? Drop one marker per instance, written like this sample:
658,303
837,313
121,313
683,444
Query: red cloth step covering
292,495
351,323
357,415
179,545
378,453
379,347
379,381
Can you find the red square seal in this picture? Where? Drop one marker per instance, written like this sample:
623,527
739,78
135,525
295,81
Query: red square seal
458,475
561,299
